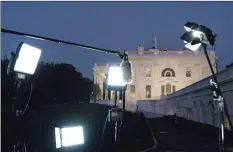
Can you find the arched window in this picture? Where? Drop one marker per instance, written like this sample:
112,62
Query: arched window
168,88
168,72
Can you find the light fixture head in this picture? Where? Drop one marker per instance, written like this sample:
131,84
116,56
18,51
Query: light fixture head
194,47
27,58
190,26
115,77
187,37
196,35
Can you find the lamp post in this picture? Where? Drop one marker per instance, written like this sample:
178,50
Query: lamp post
196,36
22,63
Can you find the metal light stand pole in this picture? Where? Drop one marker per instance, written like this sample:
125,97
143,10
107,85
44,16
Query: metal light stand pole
123,99
19,145
217,96
115,98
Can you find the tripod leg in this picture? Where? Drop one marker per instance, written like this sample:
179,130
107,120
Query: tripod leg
14,148
24,147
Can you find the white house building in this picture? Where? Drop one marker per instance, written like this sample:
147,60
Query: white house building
158,72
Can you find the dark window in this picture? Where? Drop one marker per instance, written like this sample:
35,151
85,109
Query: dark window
168,74
188,72
166,70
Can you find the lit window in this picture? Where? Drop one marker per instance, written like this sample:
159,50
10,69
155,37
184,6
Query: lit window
148,72
174,88
148,91
188,71
162,90
168,88
132,90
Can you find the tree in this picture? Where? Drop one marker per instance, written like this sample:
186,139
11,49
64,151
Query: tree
52,83
97,91
229,65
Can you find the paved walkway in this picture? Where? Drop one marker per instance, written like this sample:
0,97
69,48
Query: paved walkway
186,136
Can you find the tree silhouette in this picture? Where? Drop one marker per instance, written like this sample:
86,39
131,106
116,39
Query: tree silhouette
97,91
52,83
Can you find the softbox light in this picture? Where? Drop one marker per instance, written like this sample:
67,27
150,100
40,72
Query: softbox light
192,47
115,77
27,60
69,136
196,35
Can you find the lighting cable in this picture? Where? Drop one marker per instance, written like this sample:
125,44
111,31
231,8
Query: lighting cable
29,99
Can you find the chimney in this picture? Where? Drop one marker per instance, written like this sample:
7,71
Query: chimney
156,43
140,49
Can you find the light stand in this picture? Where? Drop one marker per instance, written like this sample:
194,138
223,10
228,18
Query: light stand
196,36
114,82
20,145
217,96
23,62
125,64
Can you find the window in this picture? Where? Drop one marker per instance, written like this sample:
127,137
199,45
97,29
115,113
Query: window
188,71
168,88
148,72
162,90
148,91
168,72
132,90
173,88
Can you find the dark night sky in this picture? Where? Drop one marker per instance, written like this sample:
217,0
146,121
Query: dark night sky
112,25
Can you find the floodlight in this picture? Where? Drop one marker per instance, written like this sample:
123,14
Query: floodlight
197,35
69,136
189,26
27,59
115,77
194,37
187,37
192,47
